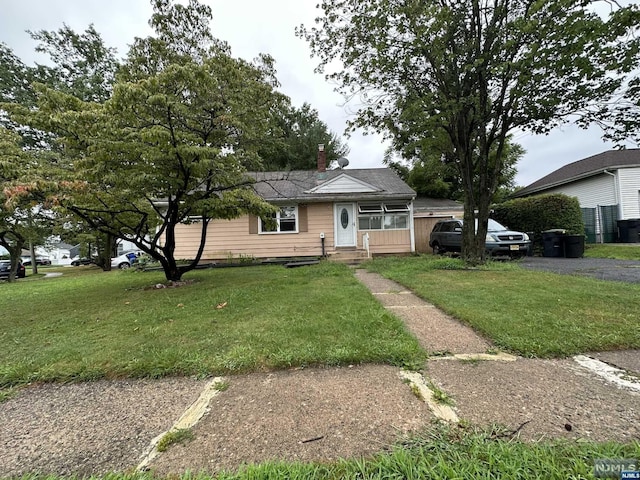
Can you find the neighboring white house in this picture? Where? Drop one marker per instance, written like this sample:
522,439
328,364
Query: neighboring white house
607,186
61,253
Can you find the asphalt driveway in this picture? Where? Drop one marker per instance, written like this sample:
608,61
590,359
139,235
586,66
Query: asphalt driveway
600,268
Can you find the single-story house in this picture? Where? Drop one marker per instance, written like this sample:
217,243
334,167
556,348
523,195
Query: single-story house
369,211
607,186
427,212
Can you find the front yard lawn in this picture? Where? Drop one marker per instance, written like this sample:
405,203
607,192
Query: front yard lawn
110,324
613,250
530,313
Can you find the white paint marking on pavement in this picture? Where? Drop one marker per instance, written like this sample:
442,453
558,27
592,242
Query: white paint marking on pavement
188,419
497,357
617,376
443,412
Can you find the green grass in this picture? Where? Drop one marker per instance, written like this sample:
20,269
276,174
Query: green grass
86,326
527,312
173,437
612,250
443,453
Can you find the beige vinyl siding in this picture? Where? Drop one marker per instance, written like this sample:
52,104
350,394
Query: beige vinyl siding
423,227
387,241
227,238
233,238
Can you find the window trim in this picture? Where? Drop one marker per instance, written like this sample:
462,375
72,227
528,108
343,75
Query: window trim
370,208
277,231
385,209
396,207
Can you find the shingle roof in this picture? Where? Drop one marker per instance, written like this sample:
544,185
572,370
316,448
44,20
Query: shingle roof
425,204
586,167
63,246
296,185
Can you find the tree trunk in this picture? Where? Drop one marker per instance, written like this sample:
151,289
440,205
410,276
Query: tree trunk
173,274
473,248
34,263
14,253
105,250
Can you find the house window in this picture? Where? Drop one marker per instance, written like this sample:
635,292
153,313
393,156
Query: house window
383,216
284,221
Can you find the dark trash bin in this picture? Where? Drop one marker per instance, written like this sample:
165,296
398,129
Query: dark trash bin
629,230
552,243
531,236
574,246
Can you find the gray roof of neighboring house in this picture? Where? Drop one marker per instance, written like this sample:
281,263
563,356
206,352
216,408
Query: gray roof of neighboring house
63,246
587,167
298,185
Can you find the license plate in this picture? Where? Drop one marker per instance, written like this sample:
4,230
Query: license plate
514,247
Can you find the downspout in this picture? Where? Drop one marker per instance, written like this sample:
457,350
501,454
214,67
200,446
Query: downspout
616,188
411,228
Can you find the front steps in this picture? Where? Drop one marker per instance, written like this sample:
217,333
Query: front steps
349,257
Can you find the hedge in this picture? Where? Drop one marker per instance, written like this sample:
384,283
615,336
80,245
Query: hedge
539,213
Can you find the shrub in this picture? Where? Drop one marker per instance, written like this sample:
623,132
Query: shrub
539,213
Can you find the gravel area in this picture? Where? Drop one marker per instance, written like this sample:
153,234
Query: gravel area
600,268
312,414
88,428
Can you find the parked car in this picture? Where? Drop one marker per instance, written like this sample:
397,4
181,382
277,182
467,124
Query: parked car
5,268
77,261
126,260
446,236
26,261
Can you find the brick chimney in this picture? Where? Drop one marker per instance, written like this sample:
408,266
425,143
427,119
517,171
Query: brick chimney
322,158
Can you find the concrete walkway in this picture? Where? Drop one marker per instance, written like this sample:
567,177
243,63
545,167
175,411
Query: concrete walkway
319,414
598,399
437,332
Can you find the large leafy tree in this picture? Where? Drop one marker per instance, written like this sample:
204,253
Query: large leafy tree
473,71
15,87
173,142
80,64
293,142
432,172
13,235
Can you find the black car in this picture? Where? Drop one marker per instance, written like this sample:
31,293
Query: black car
446,236
5,268
77,261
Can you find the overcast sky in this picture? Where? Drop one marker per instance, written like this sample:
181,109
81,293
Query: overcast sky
251,27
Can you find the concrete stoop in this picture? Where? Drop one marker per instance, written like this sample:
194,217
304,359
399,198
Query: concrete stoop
349,257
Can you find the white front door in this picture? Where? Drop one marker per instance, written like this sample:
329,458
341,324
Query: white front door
345,224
